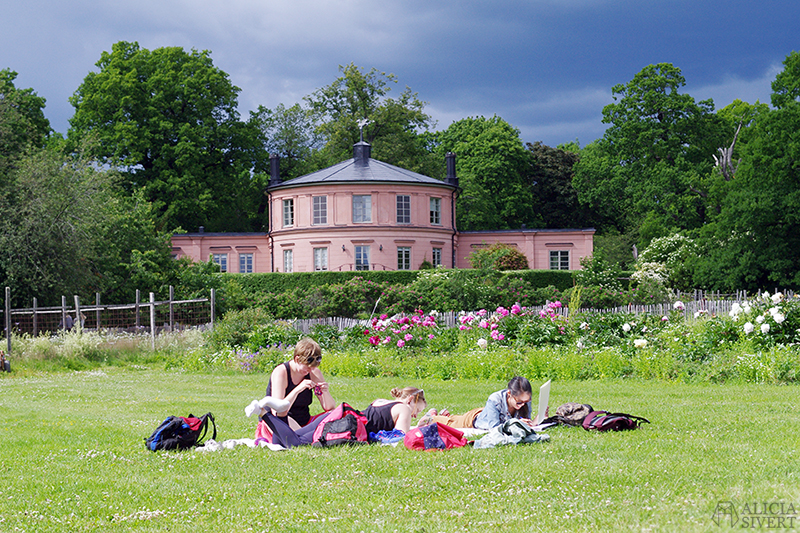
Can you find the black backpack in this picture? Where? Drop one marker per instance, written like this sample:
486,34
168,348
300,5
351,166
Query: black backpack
605,421
180,433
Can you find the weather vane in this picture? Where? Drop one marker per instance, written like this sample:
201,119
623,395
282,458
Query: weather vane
361,123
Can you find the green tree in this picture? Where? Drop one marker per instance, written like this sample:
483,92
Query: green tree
786,87
551,177
391,125
754,243
660,145
291,133
168,120
493,168
22,122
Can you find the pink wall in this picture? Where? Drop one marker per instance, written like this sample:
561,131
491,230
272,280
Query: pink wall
201,246
382,235
535,244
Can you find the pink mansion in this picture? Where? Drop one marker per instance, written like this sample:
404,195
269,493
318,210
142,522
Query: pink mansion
363,214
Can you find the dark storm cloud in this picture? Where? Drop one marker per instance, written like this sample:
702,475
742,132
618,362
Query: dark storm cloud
547,67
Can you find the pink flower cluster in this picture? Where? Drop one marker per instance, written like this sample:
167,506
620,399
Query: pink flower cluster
404,328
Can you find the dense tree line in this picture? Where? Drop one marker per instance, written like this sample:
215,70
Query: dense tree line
156,144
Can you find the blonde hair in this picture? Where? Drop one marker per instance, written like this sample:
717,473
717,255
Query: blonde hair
308,352
417,394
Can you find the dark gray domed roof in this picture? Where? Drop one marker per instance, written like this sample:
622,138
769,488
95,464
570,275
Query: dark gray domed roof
361,168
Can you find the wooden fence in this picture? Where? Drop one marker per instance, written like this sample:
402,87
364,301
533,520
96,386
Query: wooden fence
144,317
696,303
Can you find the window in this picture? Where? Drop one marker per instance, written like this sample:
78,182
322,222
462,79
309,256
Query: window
288,260
221,260
403,209
437,257
436,211
320,209
559,260
403,258
288,213
362,208
320,259
246,263
362,257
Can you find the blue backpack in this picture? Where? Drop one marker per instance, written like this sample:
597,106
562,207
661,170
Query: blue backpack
180,433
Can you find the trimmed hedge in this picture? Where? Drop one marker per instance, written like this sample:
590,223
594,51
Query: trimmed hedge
275,282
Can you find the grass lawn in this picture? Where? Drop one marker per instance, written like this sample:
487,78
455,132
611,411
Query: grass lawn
72,458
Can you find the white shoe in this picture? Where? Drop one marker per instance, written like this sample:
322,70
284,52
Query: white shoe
254,408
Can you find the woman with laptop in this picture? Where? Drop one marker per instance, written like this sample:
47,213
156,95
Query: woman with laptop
511,402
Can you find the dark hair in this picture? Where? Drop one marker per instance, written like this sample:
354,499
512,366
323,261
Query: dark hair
517,386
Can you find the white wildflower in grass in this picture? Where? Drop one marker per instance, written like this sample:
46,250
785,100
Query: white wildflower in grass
765,295
679,306
640,343
760,319
483,343
580,344
626,327
747,309
765,328
749,328
779,318
777,297
735,310
584,325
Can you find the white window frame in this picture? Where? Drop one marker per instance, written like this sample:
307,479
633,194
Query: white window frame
288,212
221,260
362,257
436,257
320,259
362,208
320,210
403,258
288,260
403,204
436,211
246,263
559,259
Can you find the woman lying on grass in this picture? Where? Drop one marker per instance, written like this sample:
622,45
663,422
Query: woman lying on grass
381,415
386,415
512,402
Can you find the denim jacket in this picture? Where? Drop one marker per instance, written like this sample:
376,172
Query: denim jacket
496,411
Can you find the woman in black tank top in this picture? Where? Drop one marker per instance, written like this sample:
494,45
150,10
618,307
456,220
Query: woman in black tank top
386,415
298,381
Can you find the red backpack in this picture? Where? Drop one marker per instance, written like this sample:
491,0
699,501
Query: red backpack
343,425
434,437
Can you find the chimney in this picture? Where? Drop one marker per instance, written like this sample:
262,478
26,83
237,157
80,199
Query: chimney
451,178
361,153
274,170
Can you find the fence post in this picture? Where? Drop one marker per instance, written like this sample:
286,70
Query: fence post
171,312
8,320
97,311
136,310
152,321
35,318
78,314
213,306
64,312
